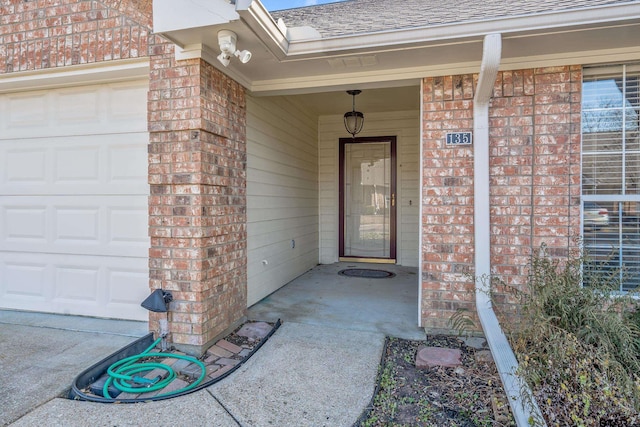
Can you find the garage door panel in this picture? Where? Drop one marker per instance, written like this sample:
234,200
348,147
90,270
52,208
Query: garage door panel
24,281
128,226
90,225
78,107
76,284
76,225
127,286
123,102
79,164
124,162
90,164
26,113
101,109
24,223
85,285
24,166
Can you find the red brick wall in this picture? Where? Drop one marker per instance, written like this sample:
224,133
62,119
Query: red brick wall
197,208
43,34
535,182
197,154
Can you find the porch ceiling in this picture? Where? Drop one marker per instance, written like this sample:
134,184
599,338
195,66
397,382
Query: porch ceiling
298,60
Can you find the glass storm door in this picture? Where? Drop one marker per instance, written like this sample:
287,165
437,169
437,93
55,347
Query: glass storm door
368,199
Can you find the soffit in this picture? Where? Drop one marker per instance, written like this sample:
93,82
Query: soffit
380,100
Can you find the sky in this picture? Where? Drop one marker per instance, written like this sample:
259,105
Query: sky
272,5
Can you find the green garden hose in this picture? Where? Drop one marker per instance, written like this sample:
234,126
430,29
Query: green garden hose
128,376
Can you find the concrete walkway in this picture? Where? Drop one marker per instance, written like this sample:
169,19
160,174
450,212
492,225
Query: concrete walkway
318,369
323,297
303,375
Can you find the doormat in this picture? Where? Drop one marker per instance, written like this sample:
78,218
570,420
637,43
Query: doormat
366,273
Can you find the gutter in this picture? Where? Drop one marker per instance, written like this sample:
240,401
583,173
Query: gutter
523,406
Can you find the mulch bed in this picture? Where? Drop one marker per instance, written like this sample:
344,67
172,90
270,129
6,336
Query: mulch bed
464,396
468,395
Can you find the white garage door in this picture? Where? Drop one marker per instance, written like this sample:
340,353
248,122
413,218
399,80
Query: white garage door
73,200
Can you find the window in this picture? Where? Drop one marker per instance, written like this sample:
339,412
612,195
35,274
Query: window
611,169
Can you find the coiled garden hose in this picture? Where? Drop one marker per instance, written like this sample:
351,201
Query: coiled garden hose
128,376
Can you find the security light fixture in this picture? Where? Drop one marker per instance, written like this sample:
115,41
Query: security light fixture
353,120
158,301
227,42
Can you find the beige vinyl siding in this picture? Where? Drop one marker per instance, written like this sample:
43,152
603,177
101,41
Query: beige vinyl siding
282,194
406,126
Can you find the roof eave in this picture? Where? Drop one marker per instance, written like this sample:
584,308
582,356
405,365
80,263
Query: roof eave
474,30
258,19
290,59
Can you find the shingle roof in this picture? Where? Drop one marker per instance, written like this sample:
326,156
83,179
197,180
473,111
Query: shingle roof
367,16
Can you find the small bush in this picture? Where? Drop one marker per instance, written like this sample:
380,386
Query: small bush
578,347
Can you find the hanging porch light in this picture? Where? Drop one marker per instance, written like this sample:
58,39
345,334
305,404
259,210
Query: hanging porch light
353,120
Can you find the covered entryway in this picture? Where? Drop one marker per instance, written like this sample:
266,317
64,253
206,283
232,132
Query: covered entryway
73,200
293,183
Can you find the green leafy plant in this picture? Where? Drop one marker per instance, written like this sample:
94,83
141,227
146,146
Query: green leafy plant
577,340
578,346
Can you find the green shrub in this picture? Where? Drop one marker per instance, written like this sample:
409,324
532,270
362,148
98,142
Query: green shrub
578,346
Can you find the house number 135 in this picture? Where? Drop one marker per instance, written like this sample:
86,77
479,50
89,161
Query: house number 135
459,138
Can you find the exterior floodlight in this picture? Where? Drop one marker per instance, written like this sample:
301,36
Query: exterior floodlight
353,120
243,55
158,301
224,59
227,42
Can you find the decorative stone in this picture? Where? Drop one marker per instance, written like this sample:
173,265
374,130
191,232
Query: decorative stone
429,357
214,350
484,356
227,362
192,371
476,342
223,370
229,346
255,331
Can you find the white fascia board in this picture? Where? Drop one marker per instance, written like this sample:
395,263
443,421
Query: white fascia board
556,20
258,19
172,15
84,74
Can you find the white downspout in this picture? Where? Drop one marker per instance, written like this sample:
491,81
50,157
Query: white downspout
523,407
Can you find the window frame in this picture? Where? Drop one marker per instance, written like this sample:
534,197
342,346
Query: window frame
615,232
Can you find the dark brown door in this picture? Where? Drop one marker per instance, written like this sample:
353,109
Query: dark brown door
368,198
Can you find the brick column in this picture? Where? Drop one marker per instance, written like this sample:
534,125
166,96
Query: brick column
197,207
447,202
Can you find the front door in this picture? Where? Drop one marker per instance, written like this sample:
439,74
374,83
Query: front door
368,199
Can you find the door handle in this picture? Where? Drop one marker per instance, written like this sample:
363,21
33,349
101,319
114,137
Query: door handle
393,200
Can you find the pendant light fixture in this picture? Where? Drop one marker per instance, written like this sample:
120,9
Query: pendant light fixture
353,120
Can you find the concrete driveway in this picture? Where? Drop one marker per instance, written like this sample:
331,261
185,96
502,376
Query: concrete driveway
41,354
